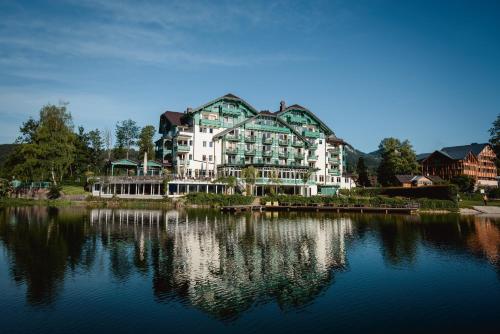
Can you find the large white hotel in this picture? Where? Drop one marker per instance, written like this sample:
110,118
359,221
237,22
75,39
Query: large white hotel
226,135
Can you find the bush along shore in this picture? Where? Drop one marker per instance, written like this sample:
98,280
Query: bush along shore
204,200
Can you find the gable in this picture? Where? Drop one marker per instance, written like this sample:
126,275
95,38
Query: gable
303,120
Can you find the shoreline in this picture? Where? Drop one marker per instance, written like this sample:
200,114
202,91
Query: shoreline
160,204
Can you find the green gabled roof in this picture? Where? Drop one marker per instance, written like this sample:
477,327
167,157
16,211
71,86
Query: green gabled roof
310,113
262,114
124,162
228,97
152,163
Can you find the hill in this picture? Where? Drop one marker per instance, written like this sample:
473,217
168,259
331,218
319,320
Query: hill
372,159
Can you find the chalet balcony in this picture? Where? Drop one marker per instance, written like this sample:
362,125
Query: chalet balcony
299,156
210,122
333,160
230,112
312,158
334,172
283,142
251,139
232,138
297,120
267,153
298,144
282,154
249,152
311,134
267,141
313,146
183,148
231,150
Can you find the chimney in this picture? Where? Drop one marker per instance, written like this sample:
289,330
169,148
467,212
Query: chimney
189,110
282,106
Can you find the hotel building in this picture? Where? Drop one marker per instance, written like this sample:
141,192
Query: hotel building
290,147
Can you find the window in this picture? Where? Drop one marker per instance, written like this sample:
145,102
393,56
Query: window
339,180
204,130
204,157
190,157
320,142
210,157
201,129
210,144
211,130
204,144
190,143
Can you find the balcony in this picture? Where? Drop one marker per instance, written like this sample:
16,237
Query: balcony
312,158
267,153
311,134
299,156
231,150
269,128
210,122
230,112
333,160
232,138
297,120
283,142
183,148
251,139
249,152
313,146
334,172
298,144
268,141
282,154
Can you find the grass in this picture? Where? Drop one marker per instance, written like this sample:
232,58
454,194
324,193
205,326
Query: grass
469,203
74,190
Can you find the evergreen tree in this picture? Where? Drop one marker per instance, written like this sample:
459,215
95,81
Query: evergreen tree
362,172
126,136
95,150
495,138
145,142
397,158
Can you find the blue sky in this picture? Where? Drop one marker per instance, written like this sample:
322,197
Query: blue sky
427,71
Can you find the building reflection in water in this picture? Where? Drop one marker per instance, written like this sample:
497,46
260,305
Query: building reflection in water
218,263
225,264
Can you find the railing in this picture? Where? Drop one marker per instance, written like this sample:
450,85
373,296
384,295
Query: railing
268,141
183,148
232,112
313,146
297,119
231,150
283,142
249,152
312,158
267,128
210,122
251,139
334,172
298,144
282,154
267,153
333,160
311,134
232,138
299,155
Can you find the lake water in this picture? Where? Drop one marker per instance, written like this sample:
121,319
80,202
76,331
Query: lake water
73,270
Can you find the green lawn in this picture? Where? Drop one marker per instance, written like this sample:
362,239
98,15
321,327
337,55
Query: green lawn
466,203
74,190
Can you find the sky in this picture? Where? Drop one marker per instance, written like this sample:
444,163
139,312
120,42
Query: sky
426,71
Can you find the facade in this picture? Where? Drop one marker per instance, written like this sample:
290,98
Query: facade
291,147
475,160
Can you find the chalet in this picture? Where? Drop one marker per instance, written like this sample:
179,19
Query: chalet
408,181
475,160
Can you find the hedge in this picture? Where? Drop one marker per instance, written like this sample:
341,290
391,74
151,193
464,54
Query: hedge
217,199
442,192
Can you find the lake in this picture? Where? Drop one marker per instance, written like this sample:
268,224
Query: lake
72,270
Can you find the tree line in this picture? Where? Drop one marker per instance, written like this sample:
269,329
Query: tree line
50,149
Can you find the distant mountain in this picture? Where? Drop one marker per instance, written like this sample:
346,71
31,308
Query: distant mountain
372,159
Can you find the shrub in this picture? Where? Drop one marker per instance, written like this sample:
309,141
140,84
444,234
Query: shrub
464,183
218,199
54,191
443,192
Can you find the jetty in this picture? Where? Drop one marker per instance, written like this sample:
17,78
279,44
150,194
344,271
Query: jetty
413,209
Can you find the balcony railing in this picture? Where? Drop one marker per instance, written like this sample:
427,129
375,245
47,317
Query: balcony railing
209,122
333,160
334,172
311,134
283,142
231,150
268,141
312,158
183,148
282,154
232,138
267,153
251,139
298,144
297,120
267,128
231,112
249,152
299,156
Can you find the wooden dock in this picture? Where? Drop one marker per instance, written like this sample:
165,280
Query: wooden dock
320,208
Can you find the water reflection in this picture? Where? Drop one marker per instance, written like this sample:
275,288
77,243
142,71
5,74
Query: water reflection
221,264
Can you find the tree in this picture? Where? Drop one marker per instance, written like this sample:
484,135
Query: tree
274,177
108,142
495,138
464,183
250,176
397,158
95,150
305,178
126,134
81,163
362,171
145,142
